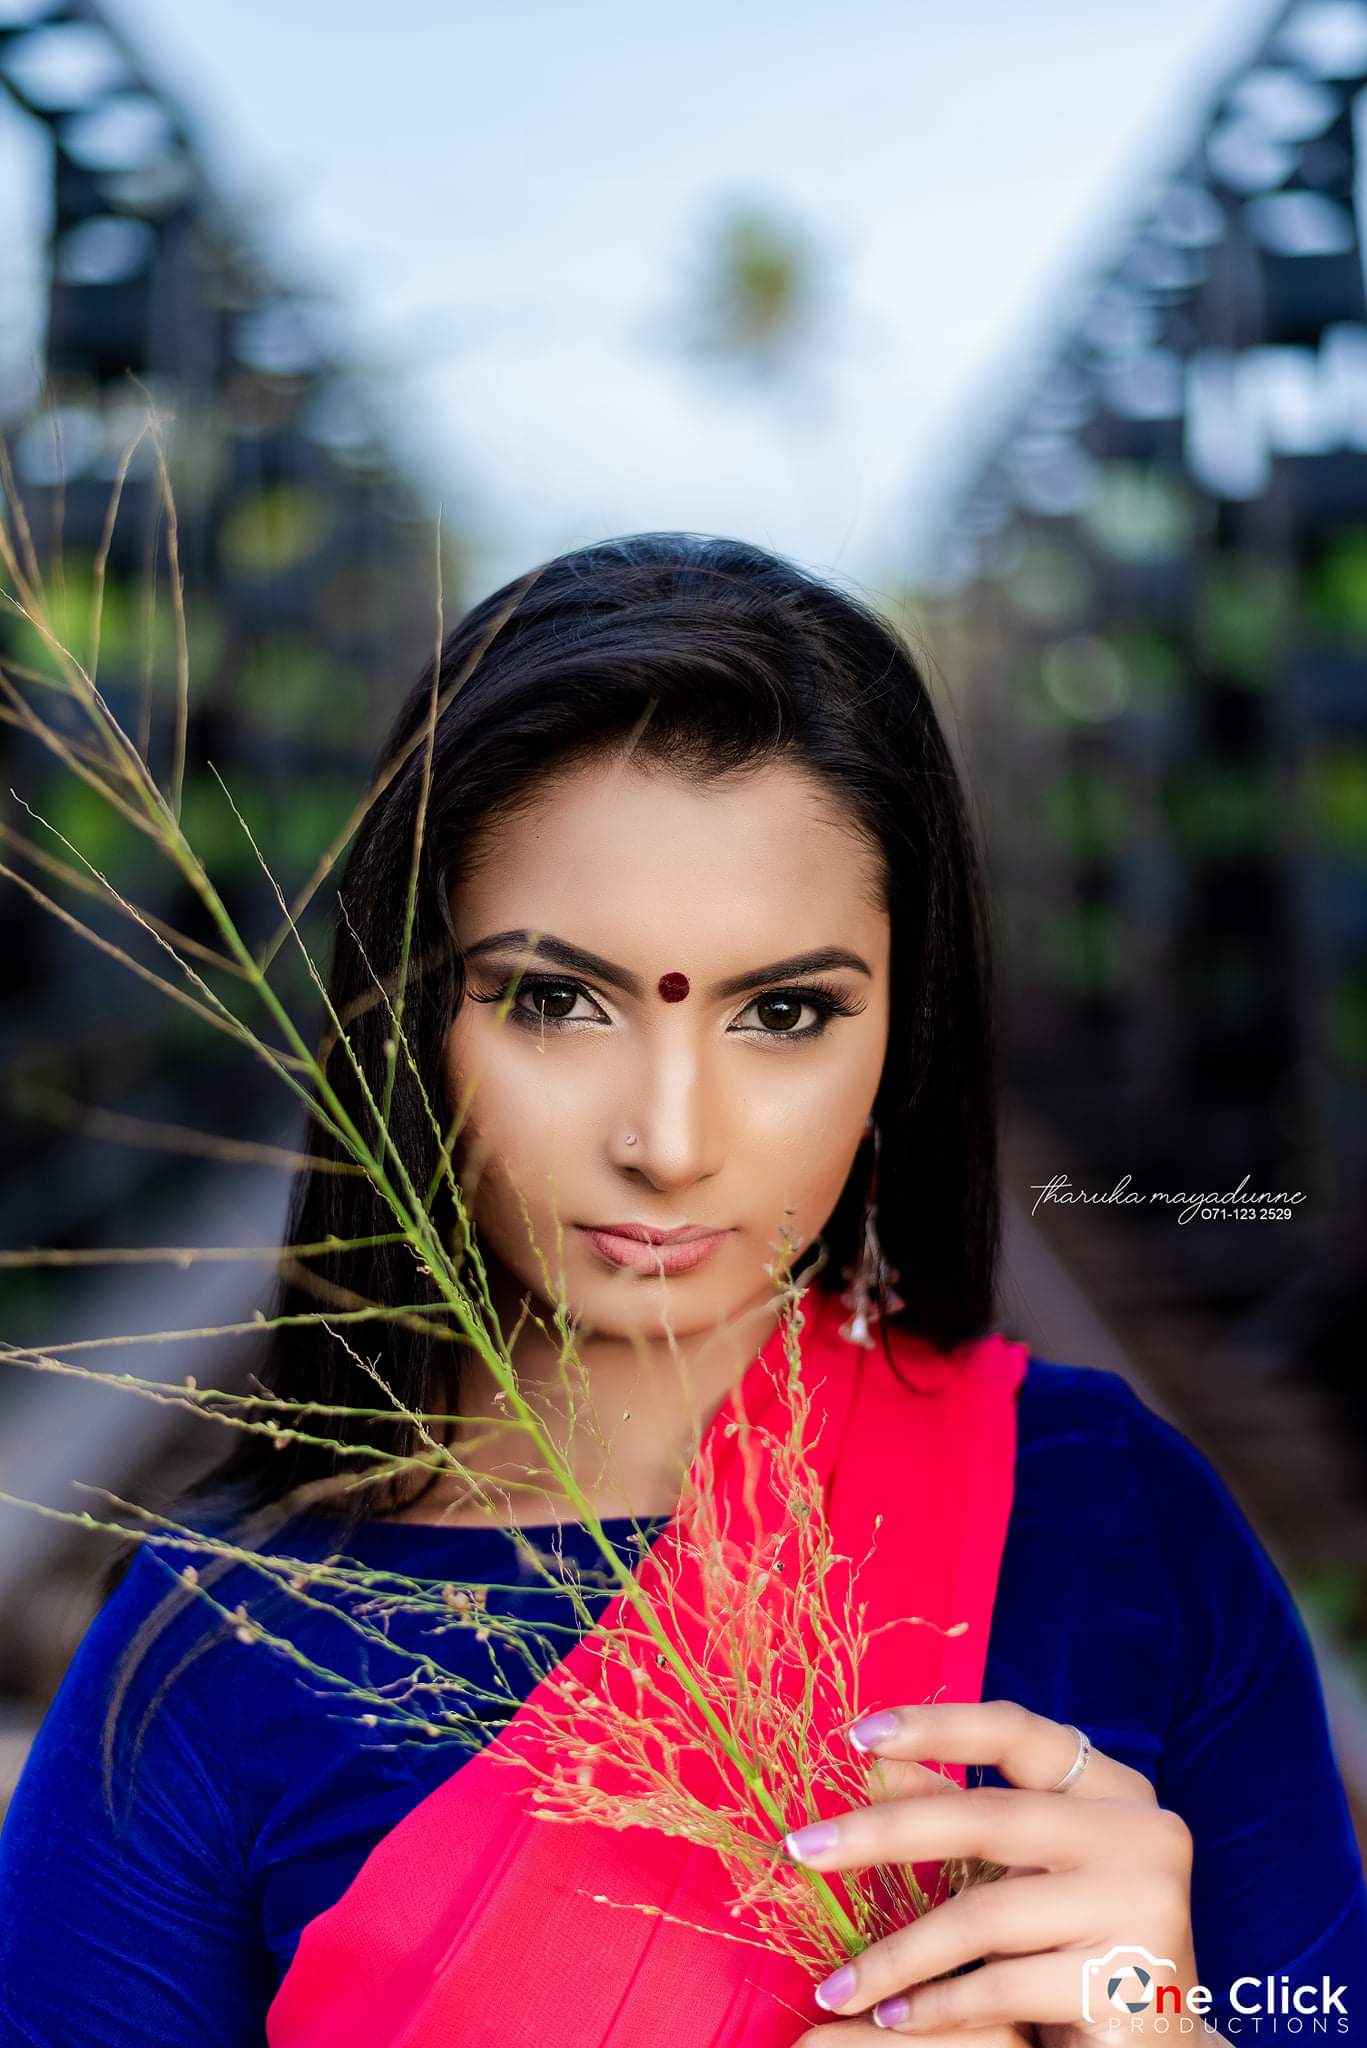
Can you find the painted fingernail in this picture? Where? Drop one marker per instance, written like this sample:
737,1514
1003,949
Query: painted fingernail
872,1730
836,1988
890,2012
812,1841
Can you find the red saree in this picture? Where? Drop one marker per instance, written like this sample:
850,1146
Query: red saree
474,1922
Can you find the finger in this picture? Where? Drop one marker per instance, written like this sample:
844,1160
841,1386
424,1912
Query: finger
1009,1826
1028,1749
863,2034
1019,1916
890,1778
1016,1991
894,1778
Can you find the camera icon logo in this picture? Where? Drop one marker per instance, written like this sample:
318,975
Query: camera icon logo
1124,1980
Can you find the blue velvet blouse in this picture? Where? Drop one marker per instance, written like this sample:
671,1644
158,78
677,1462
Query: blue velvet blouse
1134,1601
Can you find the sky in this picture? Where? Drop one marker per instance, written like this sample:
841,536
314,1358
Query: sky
504,208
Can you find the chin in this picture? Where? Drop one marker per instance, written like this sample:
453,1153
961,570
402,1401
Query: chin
615,1301
632,1306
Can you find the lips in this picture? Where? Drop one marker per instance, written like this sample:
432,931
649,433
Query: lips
658,1252
645,1233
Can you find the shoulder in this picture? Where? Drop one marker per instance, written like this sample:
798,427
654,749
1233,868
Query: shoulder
139,1632
161,1688
164,1614
1078,1398
1160,1503
167,1725
131,1729
1098,1416
1098,1413
1084,1435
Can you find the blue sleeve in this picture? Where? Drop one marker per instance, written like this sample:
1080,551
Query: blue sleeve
1277,1878
132,1929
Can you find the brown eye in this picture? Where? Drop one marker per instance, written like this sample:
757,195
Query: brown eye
779,1011
541,1002
552,999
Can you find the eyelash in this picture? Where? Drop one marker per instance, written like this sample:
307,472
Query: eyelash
822,996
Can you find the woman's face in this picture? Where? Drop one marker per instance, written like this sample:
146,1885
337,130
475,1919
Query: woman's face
747,1096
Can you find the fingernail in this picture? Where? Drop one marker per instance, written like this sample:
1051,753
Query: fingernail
890,2012
812,1841
872,1730
836,1988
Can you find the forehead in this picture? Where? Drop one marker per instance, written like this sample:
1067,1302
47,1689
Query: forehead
622,857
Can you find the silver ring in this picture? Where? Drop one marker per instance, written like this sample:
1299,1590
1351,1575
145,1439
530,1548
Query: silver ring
1079,1763
630,1138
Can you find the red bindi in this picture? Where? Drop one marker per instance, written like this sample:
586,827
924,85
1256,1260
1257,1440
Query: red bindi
673,987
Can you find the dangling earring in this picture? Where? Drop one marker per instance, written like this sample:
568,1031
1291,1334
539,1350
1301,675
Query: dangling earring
871,1277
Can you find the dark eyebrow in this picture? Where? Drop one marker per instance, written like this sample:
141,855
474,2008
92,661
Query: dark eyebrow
822,957
545,946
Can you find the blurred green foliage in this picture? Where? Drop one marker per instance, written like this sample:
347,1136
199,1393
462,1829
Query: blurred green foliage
269,532
1347,1018
1335,793
1243,616
1139,513
288,683
134,638
1220,809
1336,588
1086,947
1049,582
1087,812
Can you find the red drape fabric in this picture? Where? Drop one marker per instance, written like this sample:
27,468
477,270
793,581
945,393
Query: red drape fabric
475,1922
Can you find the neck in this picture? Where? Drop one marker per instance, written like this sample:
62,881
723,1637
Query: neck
626,1420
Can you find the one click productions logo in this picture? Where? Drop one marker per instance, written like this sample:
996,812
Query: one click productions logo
1134,1991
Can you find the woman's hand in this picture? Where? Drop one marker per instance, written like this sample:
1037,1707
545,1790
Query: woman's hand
1100,1866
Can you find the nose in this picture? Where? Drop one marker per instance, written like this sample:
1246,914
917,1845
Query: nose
675,1120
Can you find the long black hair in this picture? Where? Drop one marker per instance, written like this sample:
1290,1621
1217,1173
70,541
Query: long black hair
705,655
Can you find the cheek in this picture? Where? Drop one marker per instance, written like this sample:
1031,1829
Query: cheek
515,1101
805,1171
504,1156
806,1138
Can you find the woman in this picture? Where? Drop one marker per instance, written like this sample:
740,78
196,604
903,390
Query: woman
699,938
